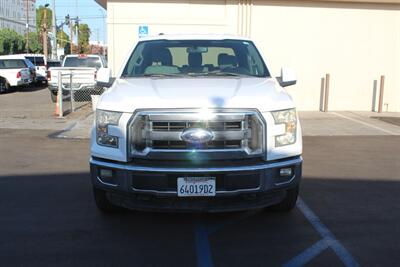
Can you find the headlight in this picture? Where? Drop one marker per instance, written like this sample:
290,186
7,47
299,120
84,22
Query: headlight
289,119
103,120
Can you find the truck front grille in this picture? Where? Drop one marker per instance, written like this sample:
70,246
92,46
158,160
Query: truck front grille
161,132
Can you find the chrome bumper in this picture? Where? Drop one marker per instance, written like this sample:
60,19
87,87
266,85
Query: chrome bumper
237,187
131,167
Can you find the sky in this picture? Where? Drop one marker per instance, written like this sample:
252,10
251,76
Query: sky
88,11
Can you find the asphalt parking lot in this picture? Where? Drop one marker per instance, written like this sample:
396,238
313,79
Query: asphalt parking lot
347,215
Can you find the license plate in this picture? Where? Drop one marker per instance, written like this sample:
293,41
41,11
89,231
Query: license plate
196,186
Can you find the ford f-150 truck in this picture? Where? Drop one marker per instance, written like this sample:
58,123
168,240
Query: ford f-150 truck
196,123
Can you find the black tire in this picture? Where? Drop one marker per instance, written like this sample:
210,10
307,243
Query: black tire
288,203
102,202
5,89
53,97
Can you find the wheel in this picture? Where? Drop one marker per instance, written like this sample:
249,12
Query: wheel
288,203
5,88
53,97
103,203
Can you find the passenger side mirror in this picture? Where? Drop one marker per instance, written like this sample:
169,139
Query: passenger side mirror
287,78
104,77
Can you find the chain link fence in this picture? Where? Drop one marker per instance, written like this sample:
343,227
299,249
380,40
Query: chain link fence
75,90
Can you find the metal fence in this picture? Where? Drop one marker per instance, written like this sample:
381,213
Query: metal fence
75,90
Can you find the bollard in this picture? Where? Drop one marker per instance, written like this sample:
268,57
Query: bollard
381,89
327,81
72,94
60,95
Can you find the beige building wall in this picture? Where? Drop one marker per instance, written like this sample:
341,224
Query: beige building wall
354,42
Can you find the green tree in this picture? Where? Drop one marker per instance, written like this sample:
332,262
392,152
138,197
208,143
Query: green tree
35,43
40,18
11,42
62,39
84,37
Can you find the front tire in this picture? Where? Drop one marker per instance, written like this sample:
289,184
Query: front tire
288,203
102,202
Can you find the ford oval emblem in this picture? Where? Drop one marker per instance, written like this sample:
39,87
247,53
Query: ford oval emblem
197,136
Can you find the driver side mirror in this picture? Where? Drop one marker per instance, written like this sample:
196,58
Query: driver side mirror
104,77
287,78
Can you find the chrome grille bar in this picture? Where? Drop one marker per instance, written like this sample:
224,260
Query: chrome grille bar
234,134
176,136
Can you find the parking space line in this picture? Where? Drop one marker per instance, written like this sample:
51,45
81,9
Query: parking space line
327,235
203,251
204,255
308,254
364,123
202,232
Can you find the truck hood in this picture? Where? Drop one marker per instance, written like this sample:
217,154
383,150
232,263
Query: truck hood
127,95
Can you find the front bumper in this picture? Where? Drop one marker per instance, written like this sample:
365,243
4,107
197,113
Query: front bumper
66,88
237,187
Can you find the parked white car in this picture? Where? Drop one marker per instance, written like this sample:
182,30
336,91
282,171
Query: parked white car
196,123
16,71
40,63
79,73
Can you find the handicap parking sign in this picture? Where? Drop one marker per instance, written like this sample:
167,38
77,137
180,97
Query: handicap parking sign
143,31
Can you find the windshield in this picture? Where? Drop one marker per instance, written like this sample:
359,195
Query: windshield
88,62
53,64
195,58
37,61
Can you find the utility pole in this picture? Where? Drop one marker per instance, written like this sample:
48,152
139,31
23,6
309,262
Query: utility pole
44,23
77,34
54,46
71,29
27,26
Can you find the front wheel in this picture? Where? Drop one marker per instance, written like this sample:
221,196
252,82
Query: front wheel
102,202
288,203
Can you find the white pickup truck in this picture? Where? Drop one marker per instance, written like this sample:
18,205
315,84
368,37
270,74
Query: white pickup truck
196,123
15,71
78,73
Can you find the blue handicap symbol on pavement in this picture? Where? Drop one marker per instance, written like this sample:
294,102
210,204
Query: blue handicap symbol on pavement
143,31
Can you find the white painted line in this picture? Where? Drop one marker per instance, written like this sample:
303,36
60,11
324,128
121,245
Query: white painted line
364,123
327,235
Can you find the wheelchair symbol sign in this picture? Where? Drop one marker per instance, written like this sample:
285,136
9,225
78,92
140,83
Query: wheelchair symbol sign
143,31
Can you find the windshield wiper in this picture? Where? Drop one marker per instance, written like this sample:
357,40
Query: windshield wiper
225,73
162,75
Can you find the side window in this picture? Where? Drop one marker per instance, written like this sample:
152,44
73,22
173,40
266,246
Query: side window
254,61
105,63
135,62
